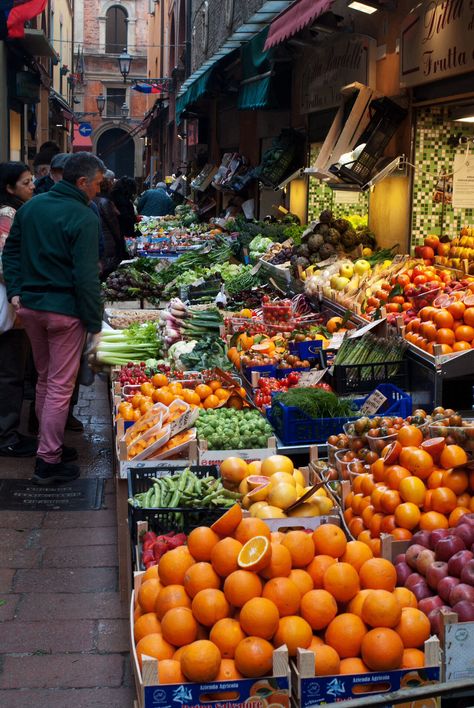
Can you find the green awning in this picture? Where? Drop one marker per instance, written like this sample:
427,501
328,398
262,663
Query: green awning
256,94
259,87
197,89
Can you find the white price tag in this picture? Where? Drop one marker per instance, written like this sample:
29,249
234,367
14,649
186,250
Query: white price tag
311,378
336,340
256,267
458,650
374,402
353,334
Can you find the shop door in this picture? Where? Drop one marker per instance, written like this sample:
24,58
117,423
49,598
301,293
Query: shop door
117,149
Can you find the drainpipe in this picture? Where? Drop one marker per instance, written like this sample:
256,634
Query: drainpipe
189,17
4,131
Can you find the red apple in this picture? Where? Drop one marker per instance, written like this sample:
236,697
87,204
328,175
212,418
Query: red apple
457,562
466,532
403,571
424,560
467,573
464,611
435,573
430,603
462,591
412,554
466,519
413,579
434,618
448,546
422,537
446,585
401,558
437,535
421,590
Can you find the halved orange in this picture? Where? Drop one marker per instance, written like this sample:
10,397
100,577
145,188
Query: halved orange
255,554
228,522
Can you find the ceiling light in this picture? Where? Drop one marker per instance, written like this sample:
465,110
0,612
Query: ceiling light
362,7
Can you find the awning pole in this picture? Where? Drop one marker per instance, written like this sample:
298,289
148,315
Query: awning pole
4,132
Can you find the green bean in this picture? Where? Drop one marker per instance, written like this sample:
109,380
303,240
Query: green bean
148,498
157,499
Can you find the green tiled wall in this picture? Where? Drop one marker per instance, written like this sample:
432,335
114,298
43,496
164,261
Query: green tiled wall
433,157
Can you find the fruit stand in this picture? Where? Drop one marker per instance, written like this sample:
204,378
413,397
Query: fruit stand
280,443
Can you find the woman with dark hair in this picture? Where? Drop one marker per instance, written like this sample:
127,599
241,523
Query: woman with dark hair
16,188
115,249
123,193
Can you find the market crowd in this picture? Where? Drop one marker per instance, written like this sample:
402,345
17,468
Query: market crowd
63,229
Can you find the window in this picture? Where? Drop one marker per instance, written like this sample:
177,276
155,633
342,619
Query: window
115,30
115,100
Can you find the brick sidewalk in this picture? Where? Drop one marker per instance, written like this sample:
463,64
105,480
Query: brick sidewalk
63,630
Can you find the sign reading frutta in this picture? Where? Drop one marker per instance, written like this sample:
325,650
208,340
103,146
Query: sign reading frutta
437,41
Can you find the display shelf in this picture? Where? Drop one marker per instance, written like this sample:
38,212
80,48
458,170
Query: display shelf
282,278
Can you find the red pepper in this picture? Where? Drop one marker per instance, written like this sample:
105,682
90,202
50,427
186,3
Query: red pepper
149,536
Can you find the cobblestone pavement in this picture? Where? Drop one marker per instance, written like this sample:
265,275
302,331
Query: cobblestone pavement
63,629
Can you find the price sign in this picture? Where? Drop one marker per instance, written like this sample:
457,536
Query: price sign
311,378
336,340
374,402
366,328
458,644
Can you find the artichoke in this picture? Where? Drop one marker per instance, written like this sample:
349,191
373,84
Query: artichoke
349,239
333,237
315,242
325,217
303,250
326,251
342,225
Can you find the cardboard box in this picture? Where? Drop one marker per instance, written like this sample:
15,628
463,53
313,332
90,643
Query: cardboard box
215,457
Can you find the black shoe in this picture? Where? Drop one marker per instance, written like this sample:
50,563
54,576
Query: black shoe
69,454
25,447
46,473
74,424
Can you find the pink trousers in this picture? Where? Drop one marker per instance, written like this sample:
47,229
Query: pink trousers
57,342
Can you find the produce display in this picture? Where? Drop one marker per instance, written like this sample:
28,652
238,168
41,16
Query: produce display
232,429
316,402
133,344
134,281
450,326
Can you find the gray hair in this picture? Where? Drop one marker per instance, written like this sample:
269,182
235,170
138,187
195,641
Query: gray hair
109,174
160,185
82,164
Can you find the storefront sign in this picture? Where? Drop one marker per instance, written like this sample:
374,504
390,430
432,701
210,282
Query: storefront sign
336,63
437,41
463,182
27,87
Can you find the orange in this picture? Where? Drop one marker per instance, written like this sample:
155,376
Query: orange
452,456
413,659
201,541
315,642
255,554
173,566
228,672
464,333
405,597
155,646
357,602
318,567
445,336
226,635
353,665
461,346
468,316
435,479
412,489
356,554
367,484
326,661
443,318
221,394
201,661
381,609
280,562
443,500
456,514
410,435
457,480
199,577
295,632
382,649
224,556
301,548
318,608
378,470
179,627
211,401
356,526
169,671
330,540
345,634
407,515
259,617
178,652
463,500
148,593
389,501
138,612
159,380
164,397
151,572
375,523
146,624
418,462
413,628
378,574
209,606
284,594
431,520
302,580
456,309
250,527
169,597
203,391
241,586
400,534
254,657
234,470
395,474
342,581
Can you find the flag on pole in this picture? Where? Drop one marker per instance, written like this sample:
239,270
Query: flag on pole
14,14
147,88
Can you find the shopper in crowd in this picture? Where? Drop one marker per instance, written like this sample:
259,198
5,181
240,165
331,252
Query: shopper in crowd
16,188
122,194
42,164
155,202
50,264
115,249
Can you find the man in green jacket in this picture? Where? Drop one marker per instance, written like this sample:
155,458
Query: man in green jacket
50,266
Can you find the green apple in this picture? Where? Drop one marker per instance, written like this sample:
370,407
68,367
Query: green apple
338,282
361,266
346,270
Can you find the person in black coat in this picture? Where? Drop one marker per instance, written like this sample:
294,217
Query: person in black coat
115,249
123,193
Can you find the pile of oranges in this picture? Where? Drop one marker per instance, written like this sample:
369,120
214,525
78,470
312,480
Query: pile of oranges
218,607
161,390
416,484
452,327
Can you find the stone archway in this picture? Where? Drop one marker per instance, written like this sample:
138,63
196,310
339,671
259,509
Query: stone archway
117,149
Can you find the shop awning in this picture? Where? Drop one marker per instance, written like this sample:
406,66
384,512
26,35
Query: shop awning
81,142
260,87
62,104
294,19
197,89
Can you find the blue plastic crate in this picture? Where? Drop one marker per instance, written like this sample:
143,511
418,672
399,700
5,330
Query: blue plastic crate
307,350
294,427
268,369
282,373
397,403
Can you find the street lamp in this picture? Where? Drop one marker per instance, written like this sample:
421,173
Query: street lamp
125,62
100,101
124,111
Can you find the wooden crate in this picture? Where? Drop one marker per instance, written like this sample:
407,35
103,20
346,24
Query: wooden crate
150,694
215,457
